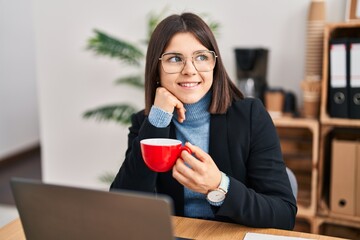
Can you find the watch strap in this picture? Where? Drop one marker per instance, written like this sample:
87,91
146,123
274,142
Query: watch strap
223,186
224,183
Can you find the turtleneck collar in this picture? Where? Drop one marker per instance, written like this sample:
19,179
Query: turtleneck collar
198,110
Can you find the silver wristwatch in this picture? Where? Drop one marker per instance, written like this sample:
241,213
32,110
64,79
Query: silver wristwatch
217,196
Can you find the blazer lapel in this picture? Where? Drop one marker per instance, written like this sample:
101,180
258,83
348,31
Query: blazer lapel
218,143
170,186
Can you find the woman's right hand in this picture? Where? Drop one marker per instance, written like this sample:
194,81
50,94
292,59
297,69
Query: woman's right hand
166,101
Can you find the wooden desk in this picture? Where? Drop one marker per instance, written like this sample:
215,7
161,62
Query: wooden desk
187,228
203,229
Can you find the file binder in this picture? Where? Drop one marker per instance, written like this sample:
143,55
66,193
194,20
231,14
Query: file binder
354,78
338,72
343,177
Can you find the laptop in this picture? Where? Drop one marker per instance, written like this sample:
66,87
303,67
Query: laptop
49,211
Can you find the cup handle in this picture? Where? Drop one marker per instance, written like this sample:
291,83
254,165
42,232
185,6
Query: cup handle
185,148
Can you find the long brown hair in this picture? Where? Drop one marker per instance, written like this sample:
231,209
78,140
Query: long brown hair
224,90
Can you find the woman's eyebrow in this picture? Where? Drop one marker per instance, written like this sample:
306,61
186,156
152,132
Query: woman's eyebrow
178,53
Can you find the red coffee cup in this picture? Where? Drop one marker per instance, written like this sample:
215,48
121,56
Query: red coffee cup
160,154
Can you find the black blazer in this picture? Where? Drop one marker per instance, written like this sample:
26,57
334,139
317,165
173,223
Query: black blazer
244,145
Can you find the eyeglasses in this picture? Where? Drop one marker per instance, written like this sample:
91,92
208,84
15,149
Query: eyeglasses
203,61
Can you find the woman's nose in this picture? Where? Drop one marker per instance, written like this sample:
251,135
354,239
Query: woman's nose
189,67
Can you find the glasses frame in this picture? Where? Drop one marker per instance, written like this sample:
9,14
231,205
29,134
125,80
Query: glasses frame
192,60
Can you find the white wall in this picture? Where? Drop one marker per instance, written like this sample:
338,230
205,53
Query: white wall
72,80
19,127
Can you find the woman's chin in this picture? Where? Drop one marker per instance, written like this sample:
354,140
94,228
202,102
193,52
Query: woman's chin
190,100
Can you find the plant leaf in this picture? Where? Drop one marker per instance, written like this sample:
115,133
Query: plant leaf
213,25
153,20
120,113
107,177
104,44
135,81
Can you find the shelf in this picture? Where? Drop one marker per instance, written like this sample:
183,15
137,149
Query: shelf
328,133
307,152
303,224
331,226
300,152
340,121
334,224
348,29
296,122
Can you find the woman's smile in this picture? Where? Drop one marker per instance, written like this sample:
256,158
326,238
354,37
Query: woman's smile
189,84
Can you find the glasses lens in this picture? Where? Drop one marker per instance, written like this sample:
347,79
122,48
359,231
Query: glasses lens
172,62
204,61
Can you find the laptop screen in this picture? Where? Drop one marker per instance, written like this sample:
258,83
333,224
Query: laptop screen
49,211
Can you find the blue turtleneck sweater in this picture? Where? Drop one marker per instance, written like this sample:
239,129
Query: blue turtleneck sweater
195,129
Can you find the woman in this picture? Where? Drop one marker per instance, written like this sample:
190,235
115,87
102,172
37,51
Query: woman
236,172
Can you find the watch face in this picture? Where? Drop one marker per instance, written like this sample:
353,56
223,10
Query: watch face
216,196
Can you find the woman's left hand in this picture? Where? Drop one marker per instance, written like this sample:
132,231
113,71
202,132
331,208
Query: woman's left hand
199,174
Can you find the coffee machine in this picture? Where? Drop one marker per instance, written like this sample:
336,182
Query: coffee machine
251,70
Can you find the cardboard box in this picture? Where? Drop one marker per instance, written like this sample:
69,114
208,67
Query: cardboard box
343,177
